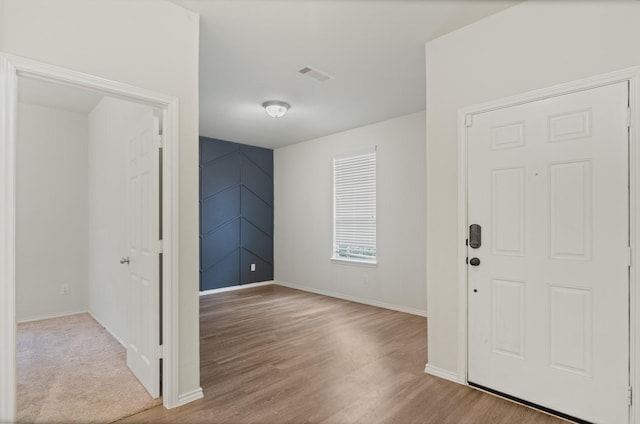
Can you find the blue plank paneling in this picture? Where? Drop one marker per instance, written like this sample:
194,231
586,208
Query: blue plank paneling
261,157
257,211
219,243
225,273
219,209
219,175
263,272
216,150
236,213
257,180
256,241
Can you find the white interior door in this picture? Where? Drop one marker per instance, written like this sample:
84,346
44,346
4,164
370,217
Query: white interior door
549,301
143,235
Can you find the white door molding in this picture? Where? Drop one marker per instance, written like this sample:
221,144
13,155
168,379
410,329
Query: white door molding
465,117
10,68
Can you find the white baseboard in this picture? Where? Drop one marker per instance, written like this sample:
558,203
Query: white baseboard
356,299
233,288
41,317
185,398
115,336
442,373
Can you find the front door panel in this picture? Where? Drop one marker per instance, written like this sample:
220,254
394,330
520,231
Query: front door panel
548,302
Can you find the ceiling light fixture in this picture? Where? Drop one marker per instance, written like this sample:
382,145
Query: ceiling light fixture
276,108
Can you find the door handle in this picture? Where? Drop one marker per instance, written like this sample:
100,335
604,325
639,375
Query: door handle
125,260
474,261
475,236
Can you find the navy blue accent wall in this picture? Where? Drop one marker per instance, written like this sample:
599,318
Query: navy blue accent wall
236,214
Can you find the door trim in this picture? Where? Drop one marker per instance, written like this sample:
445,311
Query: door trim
630,75
10,68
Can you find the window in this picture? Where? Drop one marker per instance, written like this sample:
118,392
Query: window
354,225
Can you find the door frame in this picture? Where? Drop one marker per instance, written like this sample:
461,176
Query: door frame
630,75
11,67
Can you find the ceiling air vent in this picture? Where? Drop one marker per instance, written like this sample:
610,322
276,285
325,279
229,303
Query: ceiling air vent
315,74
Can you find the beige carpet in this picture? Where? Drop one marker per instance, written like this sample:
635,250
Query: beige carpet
71,370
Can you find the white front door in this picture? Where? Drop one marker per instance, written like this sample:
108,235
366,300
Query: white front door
143,236
549,300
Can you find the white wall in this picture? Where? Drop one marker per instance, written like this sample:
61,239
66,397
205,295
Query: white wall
146,43
110,124
303,180
529,46
51,234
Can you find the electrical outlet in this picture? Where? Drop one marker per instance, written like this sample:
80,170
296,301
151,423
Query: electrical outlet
253,267
64,289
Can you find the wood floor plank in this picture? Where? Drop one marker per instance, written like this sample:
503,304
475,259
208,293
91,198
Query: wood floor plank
276,355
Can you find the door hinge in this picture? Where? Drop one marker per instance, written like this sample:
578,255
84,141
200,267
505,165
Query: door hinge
157,124
160,246
468,120
629,395
628,117
630,258
160,352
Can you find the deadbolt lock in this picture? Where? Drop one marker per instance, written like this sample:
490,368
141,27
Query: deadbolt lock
475,236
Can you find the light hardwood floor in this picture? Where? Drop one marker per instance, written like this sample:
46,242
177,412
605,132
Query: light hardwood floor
276,355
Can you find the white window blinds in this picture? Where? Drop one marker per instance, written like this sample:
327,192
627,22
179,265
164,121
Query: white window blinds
355,207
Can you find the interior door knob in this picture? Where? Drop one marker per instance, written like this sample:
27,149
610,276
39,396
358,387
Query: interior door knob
125,260
474,261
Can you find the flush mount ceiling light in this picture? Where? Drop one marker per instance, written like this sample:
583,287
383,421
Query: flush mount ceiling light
276,108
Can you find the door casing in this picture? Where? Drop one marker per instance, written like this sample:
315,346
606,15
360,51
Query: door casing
632,76
10,68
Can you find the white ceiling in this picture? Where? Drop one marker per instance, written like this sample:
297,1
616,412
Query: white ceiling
250,51
58,96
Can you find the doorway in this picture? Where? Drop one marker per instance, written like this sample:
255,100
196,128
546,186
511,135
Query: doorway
548,190
14,67
87,179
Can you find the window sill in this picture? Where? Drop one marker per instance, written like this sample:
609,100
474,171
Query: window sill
356,262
